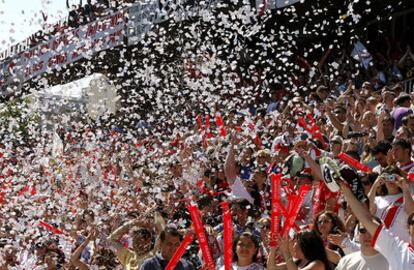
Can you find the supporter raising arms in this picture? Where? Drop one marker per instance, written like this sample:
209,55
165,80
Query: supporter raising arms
396,202
399,253
132,258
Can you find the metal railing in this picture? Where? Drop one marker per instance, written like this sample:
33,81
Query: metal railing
408,85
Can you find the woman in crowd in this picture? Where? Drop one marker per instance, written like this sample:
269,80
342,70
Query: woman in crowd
327,223
390,200
245,251
308,250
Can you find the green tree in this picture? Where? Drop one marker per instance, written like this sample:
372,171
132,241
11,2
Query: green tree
19,122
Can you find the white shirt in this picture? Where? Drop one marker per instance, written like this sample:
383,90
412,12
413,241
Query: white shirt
399,225
239,191
378,169
357,261
350,246
399,254
253,266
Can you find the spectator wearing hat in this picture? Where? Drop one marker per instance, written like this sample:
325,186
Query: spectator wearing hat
401,109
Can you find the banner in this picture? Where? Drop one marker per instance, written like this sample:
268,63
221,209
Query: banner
65,48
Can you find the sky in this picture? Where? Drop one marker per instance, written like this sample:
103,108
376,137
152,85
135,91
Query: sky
21,18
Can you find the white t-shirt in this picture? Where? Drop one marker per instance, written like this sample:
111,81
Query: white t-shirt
399,225
357,261
399,254
378,169
253,266
239,191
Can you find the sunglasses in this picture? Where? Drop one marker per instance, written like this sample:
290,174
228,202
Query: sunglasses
362,230
322,221
265,226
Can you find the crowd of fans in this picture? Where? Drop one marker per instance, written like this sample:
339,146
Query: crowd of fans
96,198
110,202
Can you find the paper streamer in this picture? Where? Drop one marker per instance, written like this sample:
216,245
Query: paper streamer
220,124
200,124
180,251
354,163
276,212
208,133
201,236
228,236
50,228
296,205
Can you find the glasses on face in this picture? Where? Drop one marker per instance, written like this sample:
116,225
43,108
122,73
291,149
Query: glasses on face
323,221
265,226
362,230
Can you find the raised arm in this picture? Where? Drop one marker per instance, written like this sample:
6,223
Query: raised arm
230,170
315,168
408,199
271,265
380,131
372,193
359,210
75,258
115,236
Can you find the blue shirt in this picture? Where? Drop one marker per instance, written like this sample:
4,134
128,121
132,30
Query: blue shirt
159,263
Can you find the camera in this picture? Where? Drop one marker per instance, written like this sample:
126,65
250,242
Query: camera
389,177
